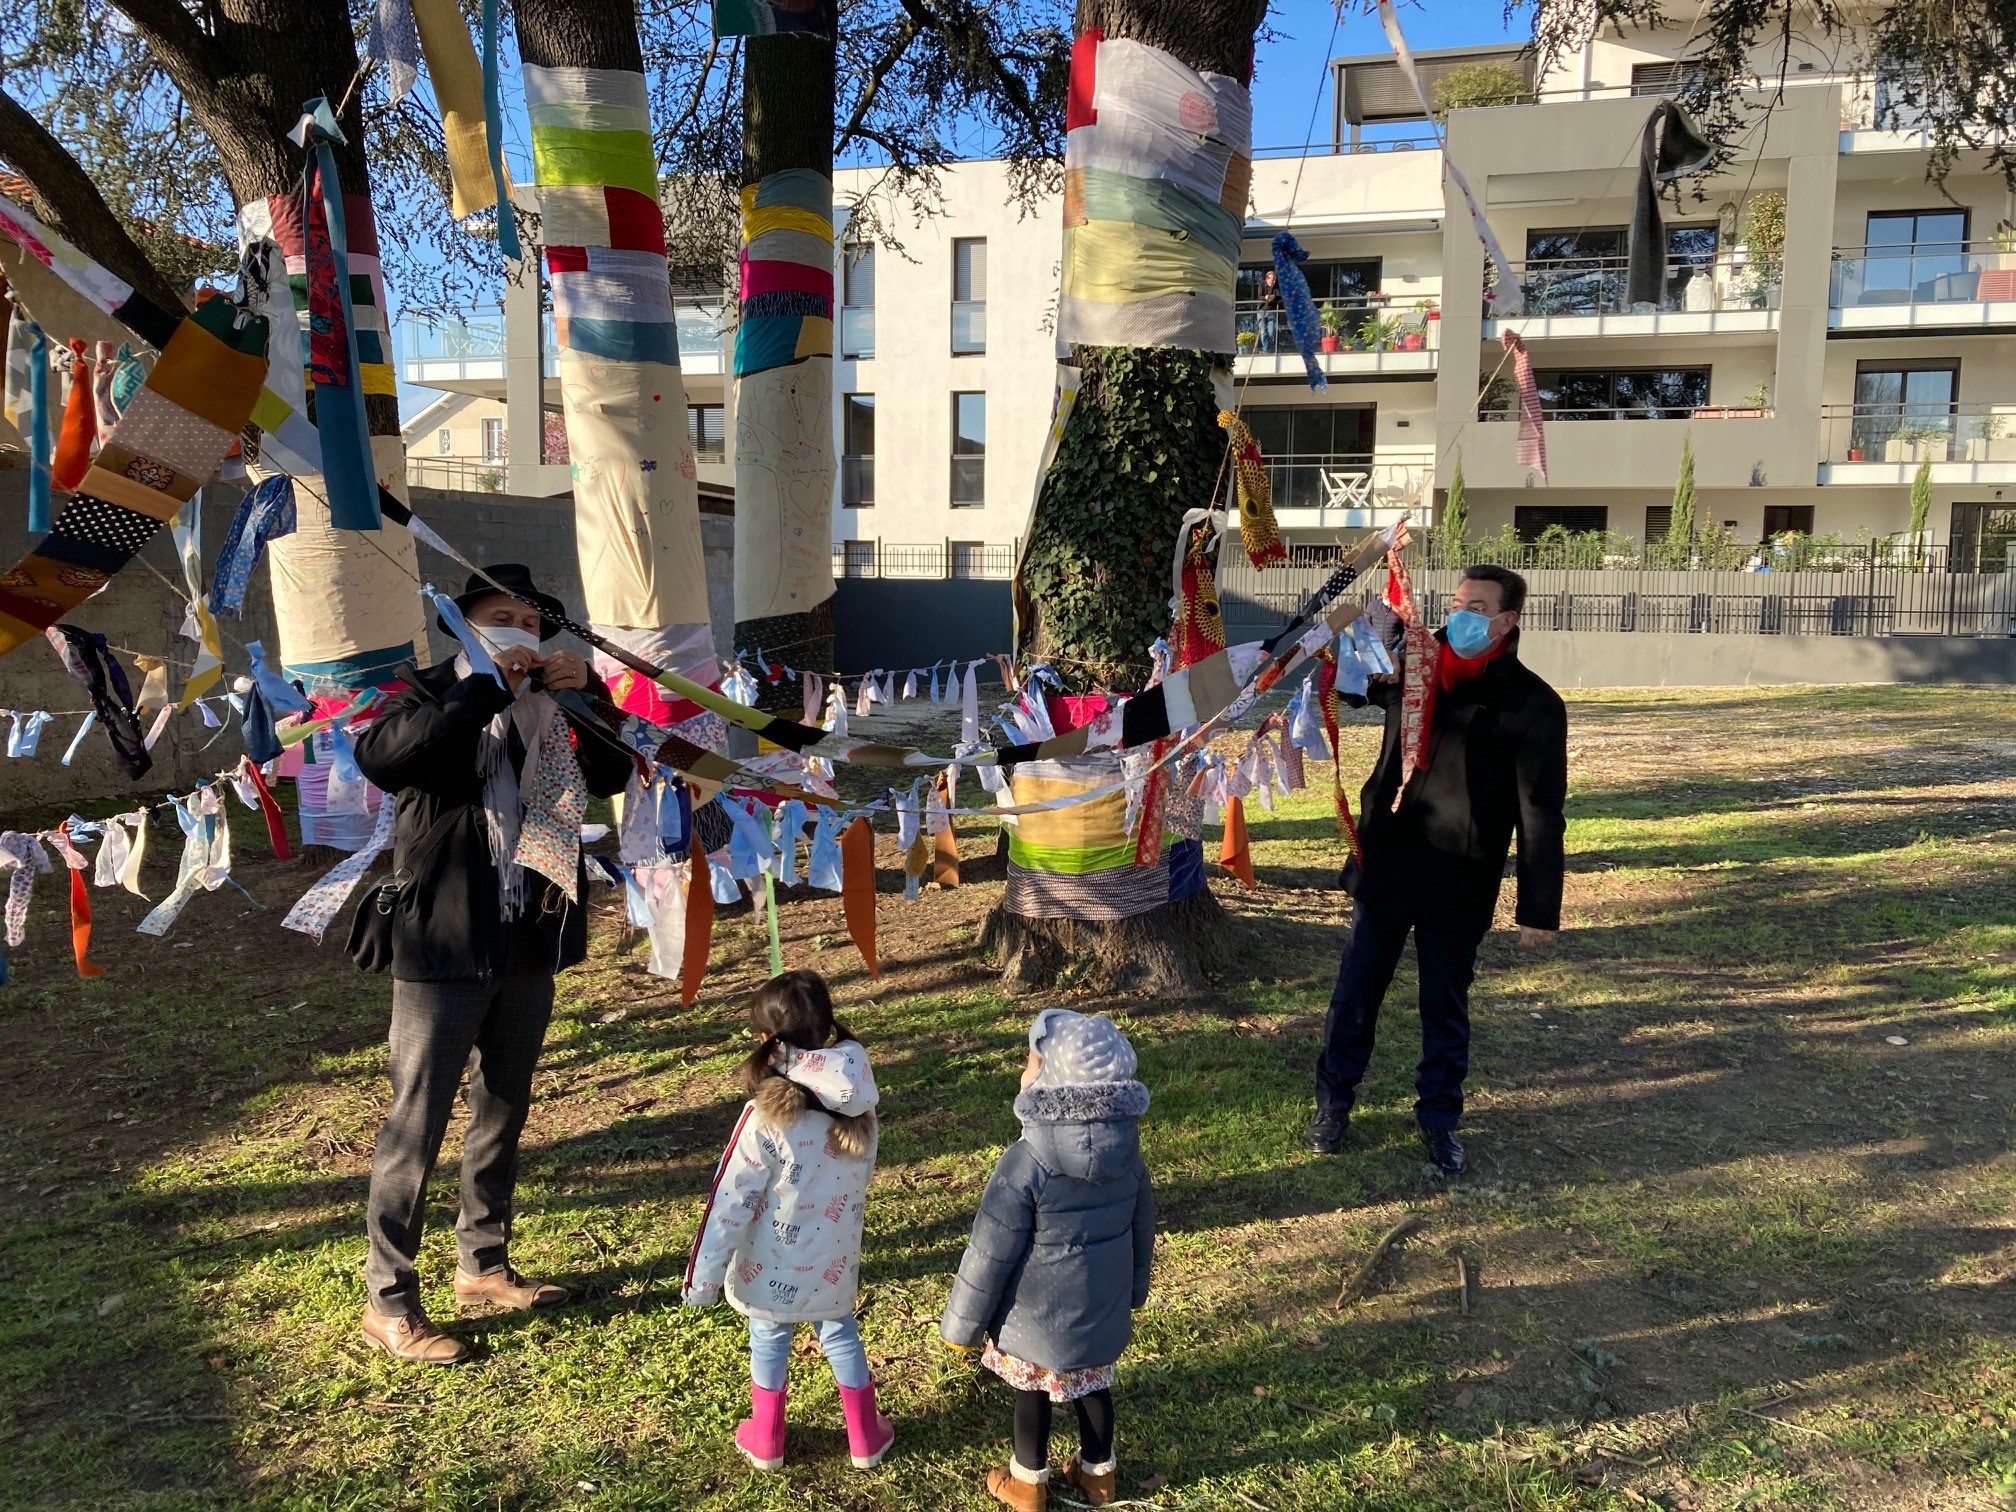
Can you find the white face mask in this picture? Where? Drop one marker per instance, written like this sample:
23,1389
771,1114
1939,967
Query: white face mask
501,638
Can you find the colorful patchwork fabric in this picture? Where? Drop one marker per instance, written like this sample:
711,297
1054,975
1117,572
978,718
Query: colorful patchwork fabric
105,290
1300,308
1077,862
192,407
1199,628
787,271
318,906
1257,529
1157,170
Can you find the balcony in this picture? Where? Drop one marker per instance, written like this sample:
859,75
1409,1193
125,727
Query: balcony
1887,443
924,560
1586,296
1371,339
466,351
1942,286
1349,490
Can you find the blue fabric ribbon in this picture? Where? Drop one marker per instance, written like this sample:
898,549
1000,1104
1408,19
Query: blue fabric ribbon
281,696
41,450
1301,309
823,870
347,469
493,133
265,514
262,741
480,660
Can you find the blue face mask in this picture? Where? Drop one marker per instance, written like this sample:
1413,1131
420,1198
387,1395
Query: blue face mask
1469,632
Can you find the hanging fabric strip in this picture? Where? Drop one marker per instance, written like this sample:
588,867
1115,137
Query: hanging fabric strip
24,853
16,404
80,424
80,908
1236,852
1530,449
391,39
77,740
493,133
276,826
319,906
41,456
348,473
456,76
1257,529
699,942
1303,321
208,669
91,662
264,514
1503,295
857,891
106,413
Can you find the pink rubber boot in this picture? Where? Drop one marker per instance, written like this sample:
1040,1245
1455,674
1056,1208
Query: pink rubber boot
870,1435
760,1436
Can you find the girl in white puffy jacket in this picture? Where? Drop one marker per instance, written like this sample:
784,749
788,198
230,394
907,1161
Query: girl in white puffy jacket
782,1228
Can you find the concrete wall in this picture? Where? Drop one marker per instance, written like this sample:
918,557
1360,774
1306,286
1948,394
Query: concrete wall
138,612
1577,660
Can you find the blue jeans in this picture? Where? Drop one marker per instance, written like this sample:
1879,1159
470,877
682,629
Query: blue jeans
839,1339
1447,962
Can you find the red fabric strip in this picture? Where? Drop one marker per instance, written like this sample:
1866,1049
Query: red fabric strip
80,424
772,275
80,923
1084,82
566,259
635,223
276,827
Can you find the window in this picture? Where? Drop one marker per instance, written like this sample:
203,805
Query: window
1779,518
857,457
1349,285
1658,521
444,442
857,559
1621,393
857,300
494,449
1303,446
969,295
1532,520
1661,78
706,428
1900,404
1984,537
969,449
969,559
1916,254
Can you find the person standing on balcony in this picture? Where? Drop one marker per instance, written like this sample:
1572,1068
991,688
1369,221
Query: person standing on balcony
1496,764
1270,312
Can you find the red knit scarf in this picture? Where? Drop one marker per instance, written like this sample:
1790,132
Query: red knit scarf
1452,669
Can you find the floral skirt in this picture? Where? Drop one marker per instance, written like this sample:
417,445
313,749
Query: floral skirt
1060,1385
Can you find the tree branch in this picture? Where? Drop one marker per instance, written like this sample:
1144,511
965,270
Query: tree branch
75,204
1010,86
891,56
187,52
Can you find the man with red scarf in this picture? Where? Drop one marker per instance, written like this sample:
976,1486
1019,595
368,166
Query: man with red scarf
1495,763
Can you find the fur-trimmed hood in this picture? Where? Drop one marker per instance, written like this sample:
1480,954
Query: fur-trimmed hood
837,1081
1090,1130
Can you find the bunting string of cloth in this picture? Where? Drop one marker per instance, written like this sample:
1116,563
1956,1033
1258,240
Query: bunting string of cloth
1157,170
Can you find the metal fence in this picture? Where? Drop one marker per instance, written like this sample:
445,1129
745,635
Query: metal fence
924,559
1876,598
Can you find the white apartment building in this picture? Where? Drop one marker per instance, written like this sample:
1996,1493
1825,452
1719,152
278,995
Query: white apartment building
1811,378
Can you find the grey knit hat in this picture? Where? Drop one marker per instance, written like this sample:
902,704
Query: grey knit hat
1078,1050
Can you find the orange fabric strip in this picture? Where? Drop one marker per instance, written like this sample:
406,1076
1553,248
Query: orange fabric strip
1236,854
857,890
80,926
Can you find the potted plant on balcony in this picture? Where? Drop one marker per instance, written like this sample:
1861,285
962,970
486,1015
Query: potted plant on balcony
1415,337
1376,332
1917,443
1987,444
1247,341
1333,327
1764,249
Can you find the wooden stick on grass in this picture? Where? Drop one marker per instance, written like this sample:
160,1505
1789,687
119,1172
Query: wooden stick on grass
1355,1287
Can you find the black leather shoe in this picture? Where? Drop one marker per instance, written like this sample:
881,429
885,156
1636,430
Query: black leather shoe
1444,1153
1325,1134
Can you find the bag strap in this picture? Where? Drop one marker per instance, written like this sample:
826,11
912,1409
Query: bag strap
436,833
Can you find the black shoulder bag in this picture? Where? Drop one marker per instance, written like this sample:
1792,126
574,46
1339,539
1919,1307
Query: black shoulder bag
370,944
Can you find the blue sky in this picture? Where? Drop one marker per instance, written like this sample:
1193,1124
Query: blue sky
1291,80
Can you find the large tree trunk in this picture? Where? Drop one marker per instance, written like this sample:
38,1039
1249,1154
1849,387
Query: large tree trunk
1142,446
636,498
784,398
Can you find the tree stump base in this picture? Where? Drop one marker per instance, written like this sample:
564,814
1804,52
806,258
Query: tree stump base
1171,951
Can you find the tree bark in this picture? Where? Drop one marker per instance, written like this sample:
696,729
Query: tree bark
1143,445
787,122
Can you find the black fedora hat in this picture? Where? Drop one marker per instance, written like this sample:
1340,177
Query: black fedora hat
513,578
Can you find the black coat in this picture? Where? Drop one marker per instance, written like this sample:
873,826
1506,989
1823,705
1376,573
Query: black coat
424,748
1496,765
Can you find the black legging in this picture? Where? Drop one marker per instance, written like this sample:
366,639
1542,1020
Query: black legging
1032,1428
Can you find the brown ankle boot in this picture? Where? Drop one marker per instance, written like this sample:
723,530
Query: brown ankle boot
1011,1487
410,1337
1100,1486
507,1290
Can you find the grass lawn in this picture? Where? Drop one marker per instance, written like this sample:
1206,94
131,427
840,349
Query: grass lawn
1740,1223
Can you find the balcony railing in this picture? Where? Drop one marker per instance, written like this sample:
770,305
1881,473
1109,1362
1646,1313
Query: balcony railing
1925,273
1693,286
457,474
477,335
924,560
1348,480
1373,324
1633,412
1912,433
1383,141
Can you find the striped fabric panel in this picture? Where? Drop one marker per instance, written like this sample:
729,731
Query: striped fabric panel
806,188
1098,194
786,286
600,283
279,217
1071,859
1121,893
591,127
592,215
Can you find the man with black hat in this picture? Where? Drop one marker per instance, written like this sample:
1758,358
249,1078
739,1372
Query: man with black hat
486,904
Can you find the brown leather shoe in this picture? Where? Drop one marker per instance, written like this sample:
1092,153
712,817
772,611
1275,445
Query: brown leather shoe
1099,1490
413,1339
507,1290
1008,1488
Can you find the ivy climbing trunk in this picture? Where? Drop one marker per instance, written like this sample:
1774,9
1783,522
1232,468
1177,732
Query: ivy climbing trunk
602,230
784,360
1142,446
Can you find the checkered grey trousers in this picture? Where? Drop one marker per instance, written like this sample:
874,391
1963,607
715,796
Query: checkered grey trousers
495,1028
